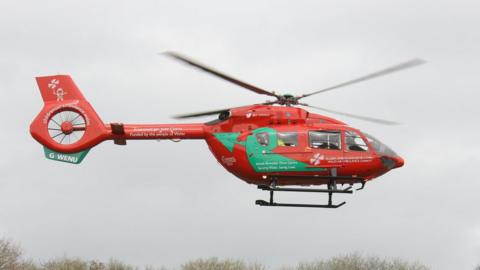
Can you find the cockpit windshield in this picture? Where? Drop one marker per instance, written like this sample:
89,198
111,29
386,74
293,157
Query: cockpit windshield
379,146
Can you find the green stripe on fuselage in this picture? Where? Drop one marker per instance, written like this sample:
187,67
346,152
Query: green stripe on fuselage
262,159
228,139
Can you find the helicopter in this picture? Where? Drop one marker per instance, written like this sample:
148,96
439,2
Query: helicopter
277,145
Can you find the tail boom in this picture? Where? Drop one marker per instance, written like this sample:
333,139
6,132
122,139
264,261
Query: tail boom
156,131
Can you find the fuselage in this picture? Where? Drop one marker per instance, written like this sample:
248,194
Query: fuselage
257,142
260,144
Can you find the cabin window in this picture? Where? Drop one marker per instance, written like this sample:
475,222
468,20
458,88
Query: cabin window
263,138
354,142
324,139
287,139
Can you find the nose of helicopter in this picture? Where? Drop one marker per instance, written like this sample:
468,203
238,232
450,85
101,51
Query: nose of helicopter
398,162
392,162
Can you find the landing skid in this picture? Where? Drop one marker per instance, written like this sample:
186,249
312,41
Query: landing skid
331,189
265,203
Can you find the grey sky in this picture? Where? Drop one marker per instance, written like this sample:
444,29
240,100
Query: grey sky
163,203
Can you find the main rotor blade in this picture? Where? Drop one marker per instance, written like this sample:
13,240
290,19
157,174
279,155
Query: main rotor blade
392,69
197,114
365,118
212,71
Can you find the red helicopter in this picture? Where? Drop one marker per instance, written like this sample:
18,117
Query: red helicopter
273,145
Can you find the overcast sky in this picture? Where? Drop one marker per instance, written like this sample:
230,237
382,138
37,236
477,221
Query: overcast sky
163,203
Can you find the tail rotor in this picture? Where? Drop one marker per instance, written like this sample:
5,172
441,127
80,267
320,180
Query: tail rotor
67,127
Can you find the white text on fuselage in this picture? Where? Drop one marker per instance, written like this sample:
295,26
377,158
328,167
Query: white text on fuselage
229,161
358,159
158,132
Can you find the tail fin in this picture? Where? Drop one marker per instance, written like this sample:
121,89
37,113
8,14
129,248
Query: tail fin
58,88
67,126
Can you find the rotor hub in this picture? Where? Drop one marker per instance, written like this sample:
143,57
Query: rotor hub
287,100
67,127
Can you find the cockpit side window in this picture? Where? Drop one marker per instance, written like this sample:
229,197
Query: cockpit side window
324,139
354,142
263,138
378,146
287,139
